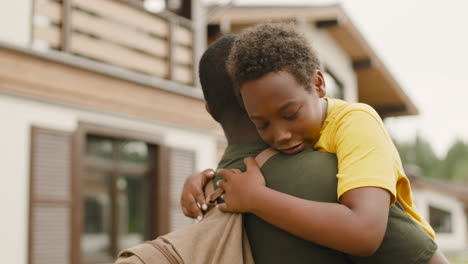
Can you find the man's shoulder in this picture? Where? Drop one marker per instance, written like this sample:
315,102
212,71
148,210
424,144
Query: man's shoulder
308,157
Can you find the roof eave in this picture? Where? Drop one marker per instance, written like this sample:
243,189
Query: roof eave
389,100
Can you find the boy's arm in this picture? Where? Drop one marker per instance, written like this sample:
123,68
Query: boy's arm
356,226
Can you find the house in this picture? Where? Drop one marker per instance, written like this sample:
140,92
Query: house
103,118
445,205
353,71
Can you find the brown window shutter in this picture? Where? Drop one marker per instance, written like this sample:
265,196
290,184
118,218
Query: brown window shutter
50,197
181,164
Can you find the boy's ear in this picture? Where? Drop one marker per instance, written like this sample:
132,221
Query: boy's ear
319,84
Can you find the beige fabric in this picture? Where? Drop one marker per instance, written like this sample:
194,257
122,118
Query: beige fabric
144,253
218,239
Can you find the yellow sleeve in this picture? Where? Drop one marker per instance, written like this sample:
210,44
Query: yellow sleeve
365,153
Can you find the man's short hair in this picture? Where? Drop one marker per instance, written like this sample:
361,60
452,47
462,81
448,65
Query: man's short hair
272,47
214,78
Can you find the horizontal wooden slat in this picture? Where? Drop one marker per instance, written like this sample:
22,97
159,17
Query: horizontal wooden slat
49,34
127,168
183,35
183,74
121,34
80,87
114,54
49,9
50,196
181,165
51,235
51,167
178,219
183,55
126,15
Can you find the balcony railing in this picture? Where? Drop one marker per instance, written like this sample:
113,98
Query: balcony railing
119,33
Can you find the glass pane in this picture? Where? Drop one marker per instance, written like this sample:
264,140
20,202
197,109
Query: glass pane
96,237
135,152
99,147
333,86
134,209
440,220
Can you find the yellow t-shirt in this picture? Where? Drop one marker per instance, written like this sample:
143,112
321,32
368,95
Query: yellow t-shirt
366,154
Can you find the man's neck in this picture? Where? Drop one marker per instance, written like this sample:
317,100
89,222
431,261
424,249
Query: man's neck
239,129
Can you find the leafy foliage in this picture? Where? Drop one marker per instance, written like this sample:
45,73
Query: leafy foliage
454,166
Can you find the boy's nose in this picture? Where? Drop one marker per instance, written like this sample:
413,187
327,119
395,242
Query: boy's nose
282,136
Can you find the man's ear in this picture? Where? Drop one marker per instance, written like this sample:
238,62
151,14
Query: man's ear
208,109
319,84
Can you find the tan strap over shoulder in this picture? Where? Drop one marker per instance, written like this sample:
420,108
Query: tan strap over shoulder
261,158
265,155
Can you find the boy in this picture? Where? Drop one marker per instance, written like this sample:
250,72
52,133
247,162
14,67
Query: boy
277,75
270,244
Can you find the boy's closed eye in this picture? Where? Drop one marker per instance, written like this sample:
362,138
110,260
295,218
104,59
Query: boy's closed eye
261,126
293,115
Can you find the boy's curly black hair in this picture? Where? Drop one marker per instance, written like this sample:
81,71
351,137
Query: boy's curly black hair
271,47
214,78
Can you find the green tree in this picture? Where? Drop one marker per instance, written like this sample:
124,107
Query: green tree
455,164
420,153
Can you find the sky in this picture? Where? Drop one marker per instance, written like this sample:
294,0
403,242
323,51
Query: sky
424,44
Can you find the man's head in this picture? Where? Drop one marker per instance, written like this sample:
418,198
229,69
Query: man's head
215,81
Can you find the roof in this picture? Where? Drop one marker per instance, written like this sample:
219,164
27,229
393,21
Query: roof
457,189
377,86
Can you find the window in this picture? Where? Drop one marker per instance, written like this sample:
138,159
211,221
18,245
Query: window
179,7
127,191
440,220
116,197
333,85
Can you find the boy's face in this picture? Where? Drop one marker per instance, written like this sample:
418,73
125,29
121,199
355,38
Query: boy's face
287,116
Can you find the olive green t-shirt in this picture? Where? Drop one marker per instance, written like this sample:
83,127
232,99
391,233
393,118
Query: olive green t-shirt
311,175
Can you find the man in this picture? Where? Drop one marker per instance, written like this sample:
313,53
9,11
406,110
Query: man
308,175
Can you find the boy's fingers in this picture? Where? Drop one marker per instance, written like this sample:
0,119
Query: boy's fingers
207,174
224,173
222,184
227,174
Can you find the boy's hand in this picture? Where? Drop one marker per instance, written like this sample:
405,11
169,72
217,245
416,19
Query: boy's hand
240,187
192,193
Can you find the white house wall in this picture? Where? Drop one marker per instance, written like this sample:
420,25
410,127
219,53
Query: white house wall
334,58
456,240
19,114
15,27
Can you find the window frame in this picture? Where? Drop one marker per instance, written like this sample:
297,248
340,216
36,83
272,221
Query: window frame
432,210
159,181
338,82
